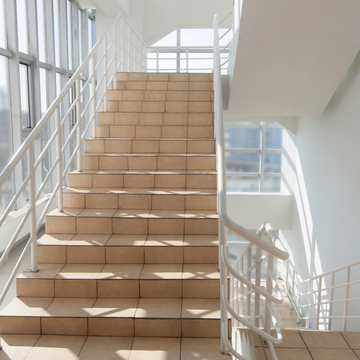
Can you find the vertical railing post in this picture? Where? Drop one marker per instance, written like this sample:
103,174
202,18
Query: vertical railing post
331,299
157,60
308,304
346,298
257,282
293,289
248,288
242,266
93,84
115,57
78,118
32,204
59,159
237,300
105,74
269,288
187,59
318,303
223,287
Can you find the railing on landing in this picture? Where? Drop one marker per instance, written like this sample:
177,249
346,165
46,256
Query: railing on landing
243,287
119,49
327,301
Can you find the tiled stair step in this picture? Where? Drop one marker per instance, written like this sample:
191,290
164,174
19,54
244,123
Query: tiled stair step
149,161
200,281
142,76
137,249
161,95
200,179
155,131
111,347
140,198
163,146
113,317
157,106
132,222
142,118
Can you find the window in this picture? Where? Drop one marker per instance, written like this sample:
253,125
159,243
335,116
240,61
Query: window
253,156
22,26
2,25
25,96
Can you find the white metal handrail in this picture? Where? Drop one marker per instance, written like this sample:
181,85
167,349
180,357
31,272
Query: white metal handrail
313,298
255,240
102,76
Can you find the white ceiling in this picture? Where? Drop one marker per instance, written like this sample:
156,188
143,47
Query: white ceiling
292,54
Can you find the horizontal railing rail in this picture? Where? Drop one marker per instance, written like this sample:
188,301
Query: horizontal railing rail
242,287
119,49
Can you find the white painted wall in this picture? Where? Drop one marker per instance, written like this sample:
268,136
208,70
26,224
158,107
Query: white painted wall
322,170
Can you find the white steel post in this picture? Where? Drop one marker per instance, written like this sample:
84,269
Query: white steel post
59,157
270,266
78,118
115,57
346,298
318,303
331,299
223,285
32,204
257,282
93,84
105,75
248,288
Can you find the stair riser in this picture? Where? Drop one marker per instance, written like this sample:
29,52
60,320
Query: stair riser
165,85
180,181
140,201
150,146
161,163
155,131
162,96
107,326
197,119
130,226
119,288
173,77
127,254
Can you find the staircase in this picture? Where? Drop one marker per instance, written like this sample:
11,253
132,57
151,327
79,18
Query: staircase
134,256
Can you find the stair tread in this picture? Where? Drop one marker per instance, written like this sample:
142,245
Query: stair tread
125,271
129,240
145,172
114,308
157,154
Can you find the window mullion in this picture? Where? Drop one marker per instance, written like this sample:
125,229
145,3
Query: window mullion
262,156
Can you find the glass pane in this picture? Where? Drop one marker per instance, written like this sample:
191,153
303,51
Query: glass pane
69,35
168,40
43,91
200,64
242,138
41,30
273,139
56,32
272,184
24,96
226,39
2,25
22,26
197,37
242,162
167,64
272,163
237,183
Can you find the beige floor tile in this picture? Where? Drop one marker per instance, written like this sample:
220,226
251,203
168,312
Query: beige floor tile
332,354
129,106
201,240
89,240
72,200
122,131
124,240
132,95
85,254
199,77
133,76
157,85
94,225
126,119
170,180
125,255
158,327
111,326
173,146
151,118
164,255
166,226
161,288
118,289
178,77
201,271
16,347
159,308
200,119
201,147
153,106
357,353
97,213
132,214
171,163
46,271
51,254
199,96
121,271
201,289
174,131
200,85
55,239
137,180
103,131
145,146
109,348
200,308
200,214
63,326
130,226
75,288
105,181
80,271
291,339
114,308
324,340
155,348
161,202
162,271
177,96
178,85
194,349
201,226
201,254
201,181
143,162
151,131
35,287
105,118
352,338
158,77
202,328
155,95
118,147
290,354
57,347
26,306
69,307
20,325
175,119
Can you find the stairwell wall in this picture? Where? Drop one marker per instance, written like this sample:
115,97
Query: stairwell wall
322,171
